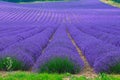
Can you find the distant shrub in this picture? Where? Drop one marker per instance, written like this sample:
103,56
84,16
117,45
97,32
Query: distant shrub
115,69
59,65
116,1
10,64
108,63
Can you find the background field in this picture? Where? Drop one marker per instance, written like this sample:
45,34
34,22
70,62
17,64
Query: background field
75,40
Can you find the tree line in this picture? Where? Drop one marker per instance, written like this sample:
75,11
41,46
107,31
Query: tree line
29,0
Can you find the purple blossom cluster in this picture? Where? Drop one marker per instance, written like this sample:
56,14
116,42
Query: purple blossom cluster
15,35
96,33
95,50
105,62
28,50
60,46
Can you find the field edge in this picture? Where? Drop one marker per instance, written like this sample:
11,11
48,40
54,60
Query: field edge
112,3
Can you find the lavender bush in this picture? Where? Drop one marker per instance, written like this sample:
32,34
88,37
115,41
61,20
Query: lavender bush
61,51
17,60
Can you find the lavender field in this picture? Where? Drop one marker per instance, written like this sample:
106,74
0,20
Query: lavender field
82,35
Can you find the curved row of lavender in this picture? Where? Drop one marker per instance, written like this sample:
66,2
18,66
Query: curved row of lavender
60,46
98,37
97,52
26,31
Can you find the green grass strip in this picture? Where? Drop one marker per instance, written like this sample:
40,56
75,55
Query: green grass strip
110,2
45,76
31,76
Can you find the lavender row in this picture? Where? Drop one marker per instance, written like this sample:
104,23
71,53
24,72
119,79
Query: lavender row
30,49
23,15
91,25
108,38
14,38
82,4
60,46
112,29
96,51
37,17
14,30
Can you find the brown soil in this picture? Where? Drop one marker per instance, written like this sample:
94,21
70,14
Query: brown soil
88,70
3,73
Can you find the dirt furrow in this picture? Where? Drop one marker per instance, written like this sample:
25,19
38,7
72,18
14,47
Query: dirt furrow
88,70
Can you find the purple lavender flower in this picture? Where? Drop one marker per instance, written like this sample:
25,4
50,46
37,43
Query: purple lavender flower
58,47
104,63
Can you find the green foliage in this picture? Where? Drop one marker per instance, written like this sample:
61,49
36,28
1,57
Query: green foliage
59,65
112,2
10,64
78,78
100,77
46,76
115,69
103,76
116,1
32,76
